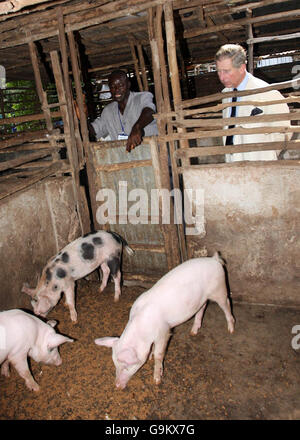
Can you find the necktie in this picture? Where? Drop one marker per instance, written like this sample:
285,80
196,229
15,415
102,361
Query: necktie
229,139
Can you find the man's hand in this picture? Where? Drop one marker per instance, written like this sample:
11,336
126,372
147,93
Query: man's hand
137,132
135,138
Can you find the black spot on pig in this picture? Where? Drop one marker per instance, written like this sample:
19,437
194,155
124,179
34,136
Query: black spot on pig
48,274
97,241
57,260
114,265
61,273
65,257
87,251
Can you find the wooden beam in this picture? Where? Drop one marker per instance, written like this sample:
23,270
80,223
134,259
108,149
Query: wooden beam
28,118
242,148
279,16
219,96
273,38
24,159
36,177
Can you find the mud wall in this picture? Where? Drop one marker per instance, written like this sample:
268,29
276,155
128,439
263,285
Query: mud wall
34,225
251,215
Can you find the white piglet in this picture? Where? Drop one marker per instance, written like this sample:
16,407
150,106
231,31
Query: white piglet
175,298
22,335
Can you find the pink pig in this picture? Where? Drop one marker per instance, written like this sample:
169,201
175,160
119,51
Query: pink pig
22,335
175,298
76,260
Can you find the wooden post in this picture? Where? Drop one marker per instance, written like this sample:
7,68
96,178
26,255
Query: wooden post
163,104
77,81
42,96
250,45
175,83
136,64
91,175
68,139
142,64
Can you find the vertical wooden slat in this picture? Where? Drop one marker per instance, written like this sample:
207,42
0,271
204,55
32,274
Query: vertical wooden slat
77,81
136,64
42,96
91,175
143,67
65,116
163,103
250,45
175,83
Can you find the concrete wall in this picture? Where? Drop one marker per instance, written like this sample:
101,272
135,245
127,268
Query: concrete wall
34,225
252,216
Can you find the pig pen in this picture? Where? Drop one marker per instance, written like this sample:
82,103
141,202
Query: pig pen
252,374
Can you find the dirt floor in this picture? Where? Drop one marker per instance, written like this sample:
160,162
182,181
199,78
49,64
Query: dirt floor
252,374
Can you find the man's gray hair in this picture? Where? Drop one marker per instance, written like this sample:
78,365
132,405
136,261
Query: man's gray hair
234,51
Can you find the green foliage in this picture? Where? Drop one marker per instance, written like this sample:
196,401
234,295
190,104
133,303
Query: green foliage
20,99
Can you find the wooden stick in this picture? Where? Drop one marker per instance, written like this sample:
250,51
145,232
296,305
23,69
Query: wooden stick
279,16
136,64
24,159
237,130
53,169
142,64
273,38
250,45
212,151
28,118
124,165
237,120
223,95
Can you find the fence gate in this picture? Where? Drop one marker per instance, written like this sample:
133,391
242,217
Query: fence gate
125,191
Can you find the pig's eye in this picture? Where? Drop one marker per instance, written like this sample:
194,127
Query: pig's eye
55,287
51,349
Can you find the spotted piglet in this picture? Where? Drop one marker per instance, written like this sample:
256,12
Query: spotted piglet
79,258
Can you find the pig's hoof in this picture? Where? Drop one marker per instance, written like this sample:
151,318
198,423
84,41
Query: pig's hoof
116,300
231,327
157,380
193,332
5,372
34,387
74,317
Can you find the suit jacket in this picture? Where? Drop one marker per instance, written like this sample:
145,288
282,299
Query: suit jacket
249,110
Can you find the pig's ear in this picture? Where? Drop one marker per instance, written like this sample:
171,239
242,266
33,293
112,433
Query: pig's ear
57,340
28,290
106,342
52,322
128,356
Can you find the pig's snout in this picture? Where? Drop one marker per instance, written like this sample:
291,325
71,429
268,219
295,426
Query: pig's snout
122,380
58,362
120,385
